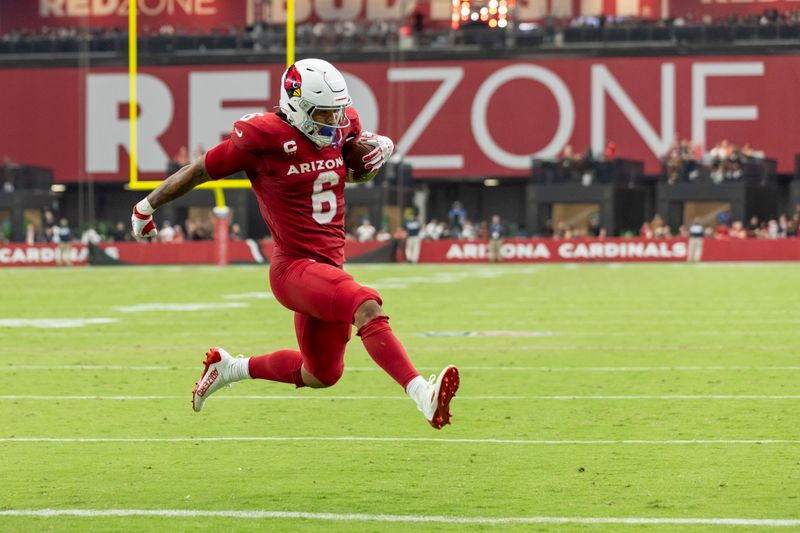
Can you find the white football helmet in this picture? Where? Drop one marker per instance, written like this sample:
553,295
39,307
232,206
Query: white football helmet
314,97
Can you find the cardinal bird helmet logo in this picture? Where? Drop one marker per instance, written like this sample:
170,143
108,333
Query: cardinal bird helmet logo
292,82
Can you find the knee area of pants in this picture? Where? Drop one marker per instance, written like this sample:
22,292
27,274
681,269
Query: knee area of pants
331,378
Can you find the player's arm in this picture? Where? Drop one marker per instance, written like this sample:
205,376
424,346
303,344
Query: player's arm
222,160
175,186
183,181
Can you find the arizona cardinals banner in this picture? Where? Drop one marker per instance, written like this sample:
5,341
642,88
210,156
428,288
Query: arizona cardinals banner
610,250
448,119
444,251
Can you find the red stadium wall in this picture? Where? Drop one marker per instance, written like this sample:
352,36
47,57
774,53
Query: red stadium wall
479,118
445,251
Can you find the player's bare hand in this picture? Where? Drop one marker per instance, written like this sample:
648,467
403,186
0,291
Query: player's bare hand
142,223
383,150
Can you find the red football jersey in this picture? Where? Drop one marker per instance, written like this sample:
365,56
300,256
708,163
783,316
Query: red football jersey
300,187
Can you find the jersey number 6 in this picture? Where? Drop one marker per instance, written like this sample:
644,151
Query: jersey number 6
322,196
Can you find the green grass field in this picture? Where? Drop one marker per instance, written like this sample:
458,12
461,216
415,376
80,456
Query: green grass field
650,391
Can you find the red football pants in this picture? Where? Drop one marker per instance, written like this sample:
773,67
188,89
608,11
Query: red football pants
324,299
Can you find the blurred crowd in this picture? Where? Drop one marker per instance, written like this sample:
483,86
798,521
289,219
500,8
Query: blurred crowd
725,227
413,31
457,226
57,229
686,161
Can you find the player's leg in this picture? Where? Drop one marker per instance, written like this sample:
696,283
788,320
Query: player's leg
330,294
433,396
319,365
322,345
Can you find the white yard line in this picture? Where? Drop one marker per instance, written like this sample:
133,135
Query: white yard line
360,517
143,368
80,440
403,398
736,368
587,349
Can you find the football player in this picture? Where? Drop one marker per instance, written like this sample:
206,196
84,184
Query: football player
293,158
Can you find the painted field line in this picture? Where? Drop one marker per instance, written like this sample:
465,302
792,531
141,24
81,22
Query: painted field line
232,397
22,440
91,367
431,368
359,517
595,368
593,348
403,398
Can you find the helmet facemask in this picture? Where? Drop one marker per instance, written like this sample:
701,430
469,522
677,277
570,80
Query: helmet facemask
325,126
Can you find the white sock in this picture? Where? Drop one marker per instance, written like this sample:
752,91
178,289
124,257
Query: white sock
416,387
240,369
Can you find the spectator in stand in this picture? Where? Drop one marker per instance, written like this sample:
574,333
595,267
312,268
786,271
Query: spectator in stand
496,233
783,227
763,231
722,229
456,216
737,230
560,231
611,151
433,230
587,167
593,227
166,233
120,232
236,232
720,160
659,228
383,234
773,231
179,236
696,233
794,226
413,229
196,230
366,231
49,227
191,229
468,231
673,164
646,231
30,234
569,164
62,235
90,236
753,227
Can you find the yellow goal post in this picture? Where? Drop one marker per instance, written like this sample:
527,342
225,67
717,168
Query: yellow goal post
134,183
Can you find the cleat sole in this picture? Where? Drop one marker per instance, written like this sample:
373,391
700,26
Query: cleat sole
450,383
